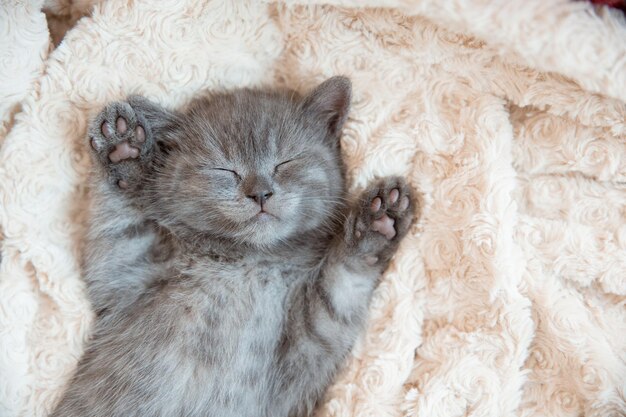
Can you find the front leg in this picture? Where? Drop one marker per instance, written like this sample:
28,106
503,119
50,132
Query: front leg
327,313
373,231
123,247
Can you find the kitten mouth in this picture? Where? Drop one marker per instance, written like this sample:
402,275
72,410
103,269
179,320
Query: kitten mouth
264,216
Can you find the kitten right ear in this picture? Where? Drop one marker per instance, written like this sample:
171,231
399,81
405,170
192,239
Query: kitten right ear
329,102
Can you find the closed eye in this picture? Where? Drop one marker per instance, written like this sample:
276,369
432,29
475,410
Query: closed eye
228,170
283,164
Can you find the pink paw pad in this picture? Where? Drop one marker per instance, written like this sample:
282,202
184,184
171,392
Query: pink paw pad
121,125
140,134
384,226
404,203
123,151
376,204
107,130
393,195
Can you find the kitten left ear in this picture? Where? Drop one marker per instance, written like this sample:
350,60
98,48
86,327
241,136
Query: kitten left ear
329,102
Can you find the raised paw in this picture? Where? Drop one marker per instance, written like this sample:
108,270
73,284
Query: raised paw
384,217
120,139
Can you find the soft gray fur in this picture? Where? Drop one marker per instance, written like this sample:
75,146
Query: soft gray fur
230,273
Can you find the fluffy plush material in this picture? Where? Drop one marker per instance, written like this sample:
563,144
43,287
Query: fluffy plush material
23,48
509,296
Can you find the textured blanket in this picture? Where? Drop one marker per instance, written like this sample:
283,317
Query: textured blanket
509,296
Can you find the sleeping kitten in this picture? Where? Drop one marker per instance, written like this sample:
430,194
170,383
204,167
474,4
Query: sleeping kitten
229,273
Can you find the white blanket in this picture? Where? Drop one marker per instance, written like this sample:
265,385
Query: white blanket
509,296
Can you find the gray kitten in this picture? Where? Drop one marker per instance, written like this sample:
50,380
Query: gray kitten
229,273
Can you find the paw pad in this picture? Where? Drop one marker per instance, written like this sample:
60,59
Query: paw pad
120,141
387,204
384,226
123,151
121,125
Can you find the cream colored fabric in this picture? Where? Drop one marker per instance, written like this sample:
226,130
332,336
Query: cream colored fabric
509,296
24,45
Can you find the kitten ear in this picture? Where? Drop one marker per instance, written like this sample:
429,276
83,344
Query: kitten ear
329,103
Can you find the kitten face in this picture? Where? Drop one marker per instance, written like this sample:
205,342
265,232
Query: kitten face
259,167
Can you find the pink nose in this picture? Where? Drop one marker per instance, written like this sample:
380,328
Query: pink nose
261,197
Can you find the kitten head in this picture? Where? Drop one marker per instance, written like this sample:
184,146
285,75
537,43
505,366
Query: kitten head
258,167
